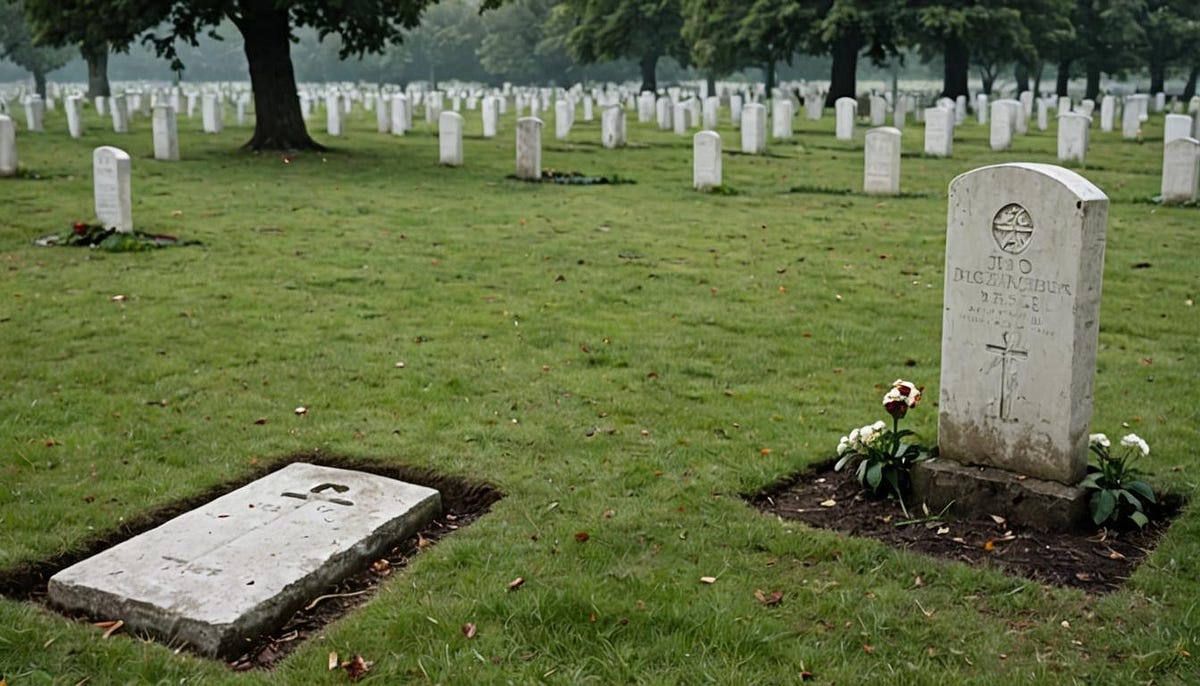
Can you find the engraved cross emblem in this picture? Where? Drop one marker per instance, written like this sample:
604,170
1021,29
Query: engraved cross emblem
318,493
1012,228
1010,350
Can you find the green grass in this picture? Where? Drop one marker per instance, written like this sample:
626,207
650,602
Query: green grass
625,351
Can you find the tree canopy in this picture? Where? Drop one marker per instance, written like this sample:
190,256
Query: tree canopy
18,43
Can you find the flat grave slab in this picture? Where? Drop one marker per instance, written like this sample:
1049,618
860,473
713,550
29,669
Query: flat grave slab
220,575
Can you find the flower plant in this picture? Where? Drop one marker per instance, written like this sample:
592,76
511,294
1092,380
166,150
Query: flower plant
1119,491
885,457
93,235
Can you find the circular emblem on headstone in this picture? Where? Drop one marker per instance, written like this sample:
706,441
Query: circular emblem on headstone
1012,228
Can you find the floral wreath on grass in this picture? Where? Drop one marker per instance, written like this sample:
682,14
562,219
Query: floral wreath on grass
94,235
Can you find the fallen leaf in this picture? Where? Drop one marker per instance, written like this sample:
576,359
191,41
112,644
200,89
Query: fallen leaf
998,519
774,598
516,583
828,503
582,537
468,630
356,668
381,567
333,660
118,298
300,411
868,649
422,542
764,451
260,421
1114,555
943,530
708,579
989,546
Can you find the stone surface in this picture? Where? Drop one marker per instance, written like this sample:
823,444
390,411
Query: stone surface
211,110
8,146
562,119
1181,170
111,184
878,111
119,110
400,114
450,138
845,110
238,566
881,161
333,114
1108,109
1002,124
612,127
73,106
529,148
976,491
1073,133
35,114
754,129
706,160
939,131
736,103
712,106
165,133
1024,266
383,116
1176,126
781,119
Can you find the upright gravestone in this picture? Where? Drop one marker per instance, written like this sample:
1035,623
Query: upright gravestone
612,127
236,568
736,103
1108,108
814,105
165,132
8,146
645,107
35,114
529,149
383,116
1024,266
450,137
101,104
781,119
1026,100
490,114
878,110
1181,170
1176,126
333,113
400,113
1043,114
210,113
706,160
981,108
562,120
73,105
754,129
679,118
1131,121
1064,104
1073,132
111,183
939,131
119,110
881,161
900,112
589,108
846,110
663,109
1002,125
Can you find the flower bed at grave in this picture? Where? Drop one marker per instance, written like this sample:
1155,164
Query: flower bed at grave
85,235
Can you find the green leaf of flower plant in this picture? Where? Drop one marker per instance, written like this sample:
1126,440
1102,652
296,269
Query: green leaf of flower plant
1091,480
1102,505
874,475
1140,519
1131,499
1142,489
842,462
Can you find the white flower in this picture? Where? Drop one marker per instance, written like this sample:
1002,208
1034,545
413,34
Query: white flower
843,446
854,436
879,426
1098,439
1135,441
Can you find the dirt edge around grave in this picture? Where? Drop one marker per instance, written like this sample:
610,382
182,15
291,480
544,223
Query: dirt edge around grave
1095,561
463,502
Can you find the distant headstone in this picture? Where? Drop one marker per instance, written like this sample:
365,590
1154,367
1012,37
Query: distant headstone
900,112
400,114
1108,108
1176,126
679,118
881,161
612,127
1181,171
960,109
100,102
73,105
712,105
562,120
706,160
433,106
529,149
1026,100
814,105
781,119
333,113
735,110
35,114
1073,132
1043,115
646,104
211,111
165,133
111,183
1064,104
236,568
1160,101
878,110
754,129
383,116
1086,107
1002,125
589,108
120,113
846,109
450,137
8,146
663,111
939,131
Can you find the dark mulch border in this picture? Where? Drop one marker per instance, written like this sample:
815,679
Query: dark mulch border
1096,561
463,502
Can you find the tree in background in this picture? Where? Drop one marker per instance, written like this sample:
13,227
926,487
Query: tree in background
17,43
643,30
847,29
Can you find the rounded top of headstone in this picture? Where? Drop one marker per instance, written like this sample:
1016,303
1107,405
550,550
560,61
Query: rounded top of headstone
115,152
1083,189
885,130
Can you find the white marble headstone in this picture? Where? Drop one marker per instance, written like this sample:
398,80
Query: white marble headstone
119,109
73,106
400,114
881,161
939,131
846,109
612,127
706,160
529,149
111,183
781,119
754,129
1176,126
8,146
450,138
1074,130
1181,170
166,135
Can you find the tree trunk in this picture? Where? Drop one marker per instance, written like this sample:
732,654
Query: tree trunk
955,72
278,124
843,74
1037,78
769,74
987,78
1189,90
1064,78
96,57
711,82
1092,90
648,64
1158,74
39,83
1021,74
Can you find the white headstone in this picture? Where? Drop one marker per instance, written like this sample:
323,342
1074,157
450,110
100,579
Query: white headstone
663,111
781,119
491,116
612,127
1108,109
589,108
1131,122
73,105
814,105
960,109
1043,115
846,110
111,183
712,105
754,129
35,114
166,135
878,110
1181,171
400,114
939,131
333,113
1026,100
120,114
679,118
1002,125
210,113
706,160
900,112
450,137
1160,101
645,107
735,111
1176,126
238,567
1024,265
981,108
1064,104
1073,132
529,149
8,146
383,116
101,104
562,120
881,161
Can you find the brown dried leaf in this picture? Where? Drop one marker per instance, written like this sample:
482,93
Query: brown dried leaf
998,519
774,598
582,537
516,583
113,628
829,503
469,630
356,667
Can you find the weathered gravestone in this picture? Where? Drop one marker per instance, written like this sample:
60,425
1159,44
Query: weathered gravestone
679,118
35,114
333,114
712,105
781,119
981,108
490,112
562,119
814,104
112,185
845,109
211,110
1024,266
73,105
663,110
119,110
529,148
165,133
383,116
1073,133
450,137
754,129
223,574
400,114
878,110
939,131
1108,110
1043,115
612,127
1176,126
706,160
735,110
900,112
1181,170
1002,124
8,146
881,161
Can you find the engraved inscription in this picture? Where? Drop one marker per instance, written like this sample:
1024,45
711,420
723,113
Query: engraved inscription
1012,228
1007,353
318,493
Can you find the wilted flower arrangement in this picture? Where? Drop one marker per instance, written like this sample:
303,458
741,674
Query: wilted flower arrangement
1119,492
885,458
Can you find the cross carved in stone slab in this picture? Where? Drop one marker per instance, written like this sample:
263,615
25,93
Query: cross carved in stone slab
1010,350
317,493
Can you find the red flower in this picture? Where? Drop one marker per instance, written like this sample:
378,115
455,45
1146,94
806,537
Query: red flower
80,227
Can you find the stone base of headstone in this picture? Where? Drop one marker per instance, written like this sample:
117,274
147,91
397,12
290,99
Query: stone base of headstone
975,492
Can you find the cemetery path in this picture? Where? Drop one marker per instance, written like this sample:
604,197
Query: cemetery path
1096,561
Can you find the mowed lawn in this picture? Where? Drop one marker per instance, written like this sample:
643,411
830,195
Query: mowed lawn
622,360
